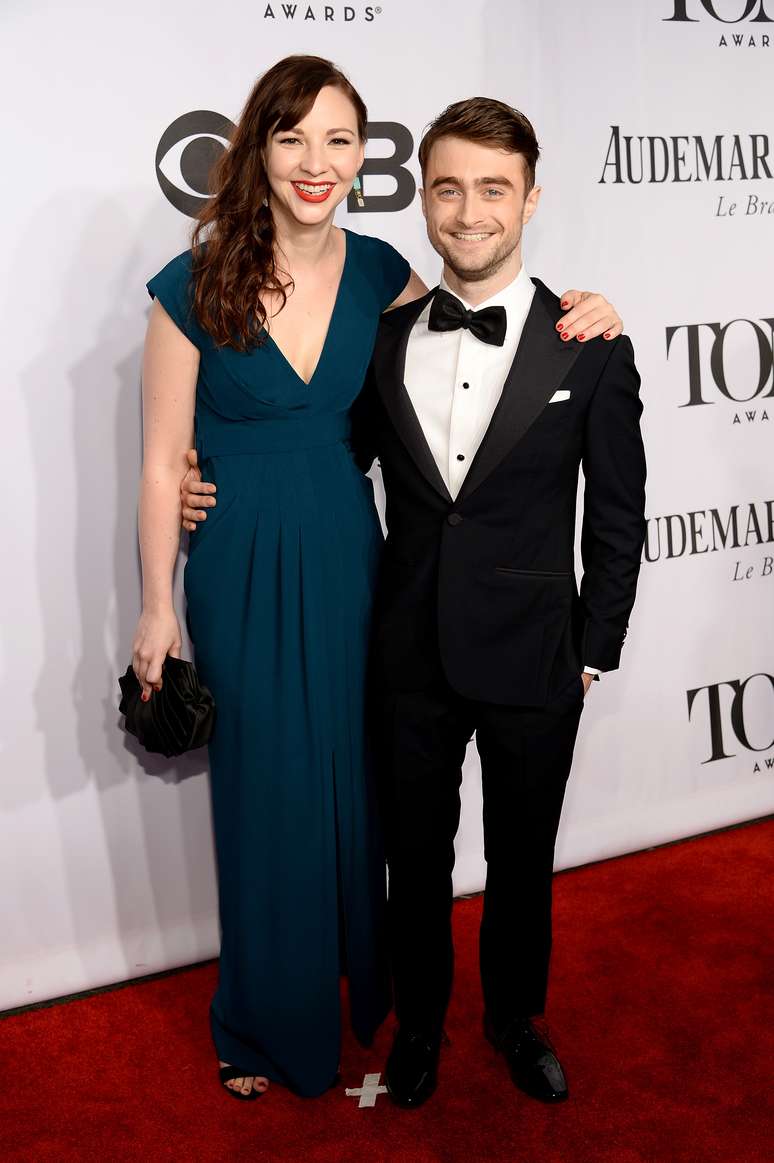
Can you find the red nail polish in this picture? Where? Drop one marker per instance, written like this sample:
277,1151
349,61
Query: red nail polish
144,697
564,303
607,335
566,336
581,337
559,326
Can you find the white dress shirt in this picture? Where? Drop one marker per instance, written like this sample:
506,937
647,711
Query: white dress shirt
455,380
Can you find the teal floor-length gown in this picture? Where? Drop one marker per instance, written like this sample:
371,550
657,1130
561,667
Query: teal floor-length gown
279,583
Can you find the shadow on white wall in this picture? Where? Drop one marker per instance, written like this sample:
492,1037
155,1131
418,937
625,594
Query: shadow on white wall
133,829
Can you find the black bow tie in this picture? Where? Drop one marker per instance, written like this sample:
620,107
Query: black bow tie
448,314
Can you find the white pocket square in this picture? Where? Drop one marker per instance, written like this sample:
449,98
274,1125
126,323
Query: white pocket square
557,397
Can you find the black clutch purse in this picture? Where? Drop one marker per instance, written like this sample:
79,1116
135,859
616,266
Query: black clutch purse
175,719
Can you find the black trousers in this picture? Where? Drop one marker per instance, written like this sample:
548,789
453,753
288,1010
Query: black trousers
526,754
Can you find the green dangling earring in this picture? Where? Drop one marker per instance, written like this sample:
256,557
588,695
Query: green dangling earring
357,187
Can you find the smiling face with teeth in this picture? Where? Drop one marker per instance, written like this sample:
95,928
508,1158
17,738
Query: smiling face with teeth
311,167
476,204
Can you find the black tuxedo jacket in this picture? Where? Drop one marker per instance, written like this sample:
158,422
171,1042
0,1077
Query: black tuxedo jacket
483,588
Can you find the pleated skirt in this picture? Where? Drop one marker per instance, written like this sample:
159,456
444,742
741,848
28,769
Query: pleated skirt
279,584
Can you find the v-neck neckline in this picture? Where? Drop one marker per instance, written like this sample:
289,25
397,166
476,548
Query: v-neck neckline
308,383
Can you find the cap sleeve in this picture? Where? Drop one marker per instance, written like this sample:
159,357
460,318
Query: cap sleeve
172,286
386,271
396,272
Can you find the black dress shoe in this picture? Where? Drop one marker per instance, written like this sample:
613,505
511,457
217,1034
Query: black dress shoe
412,1068
534,1066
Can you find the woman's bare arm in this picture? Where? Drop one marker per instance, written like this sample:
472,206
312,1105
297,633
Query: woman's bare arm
170,369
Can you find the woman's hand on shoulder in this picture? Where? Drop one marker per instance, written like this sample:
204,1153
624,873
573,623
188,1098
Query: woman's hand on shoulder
589,315
414,289
156,636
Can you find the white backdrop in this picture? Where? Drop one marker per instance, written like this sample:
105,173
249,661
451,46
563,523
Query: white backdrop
105,855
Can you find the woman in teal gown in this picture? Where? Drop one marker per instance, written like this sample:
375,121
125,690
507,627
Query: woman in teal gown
278,586
278,583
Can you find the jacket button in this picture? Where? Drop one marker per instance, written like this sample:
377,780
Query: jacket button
455,519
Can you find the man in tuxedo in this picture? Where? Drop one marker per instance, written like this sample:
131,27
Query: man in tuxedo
481,414
481,417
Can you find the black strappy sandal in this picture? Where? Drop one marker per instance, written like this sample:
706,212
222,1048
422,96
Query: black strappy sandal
228,1074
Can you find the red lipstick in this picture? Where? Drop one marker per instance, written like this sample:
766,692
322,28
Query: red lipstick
324,188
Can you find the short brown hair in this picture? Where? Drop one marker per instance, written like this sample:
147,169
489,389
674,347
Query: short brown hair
486,122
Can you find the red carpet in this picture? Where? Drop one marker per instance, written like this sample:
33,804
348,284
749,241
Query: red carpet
658,1009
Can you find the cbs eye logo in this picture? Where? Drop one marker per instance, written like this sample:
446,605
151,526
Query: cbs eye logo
192,144
185,155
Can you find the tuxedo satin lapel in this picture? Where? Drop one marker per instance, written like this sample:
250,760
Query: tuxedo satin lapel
389,364
541,363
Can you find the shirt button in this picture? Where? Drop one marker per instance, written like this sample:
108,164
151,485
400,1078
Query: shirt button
454,519
466,385
460,456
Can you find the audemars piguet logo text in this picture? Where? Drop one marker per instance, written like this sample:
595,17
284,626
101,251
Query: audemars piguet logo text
685,157
709,531
694,159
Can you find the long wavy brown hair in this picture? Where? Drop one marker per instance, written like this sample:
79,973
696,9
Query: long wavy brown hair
234,260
